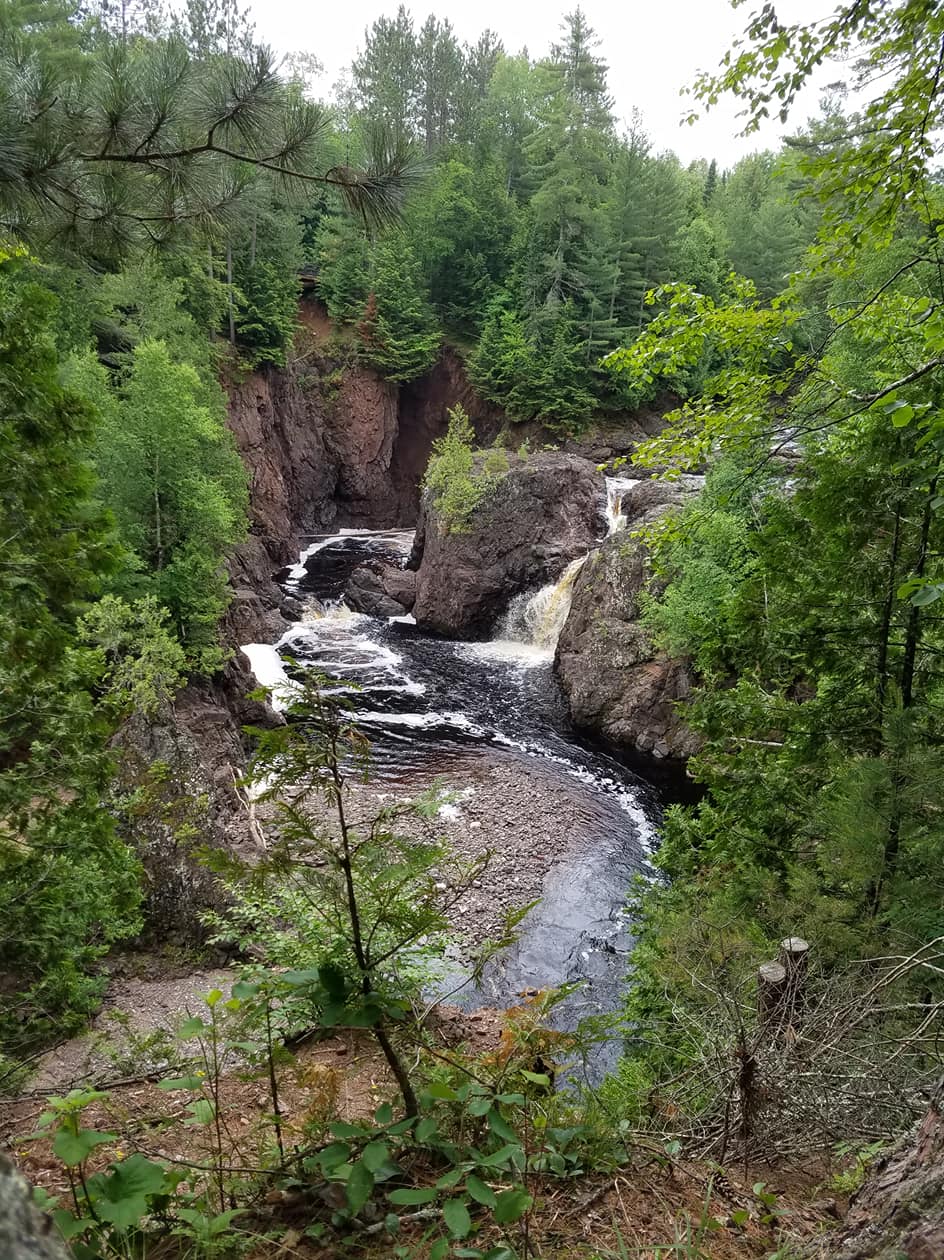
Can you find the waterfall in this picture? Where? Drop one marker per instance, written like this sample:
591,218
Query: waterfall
538,617
616,488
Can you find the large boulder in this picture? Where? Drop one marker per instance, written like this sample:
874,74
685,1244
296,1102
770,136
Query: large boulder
617,684
380,590
543,513
25,1232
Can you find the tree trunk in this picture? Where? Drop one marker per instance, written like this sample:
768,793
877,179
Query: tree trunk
885,629
229,284
772,988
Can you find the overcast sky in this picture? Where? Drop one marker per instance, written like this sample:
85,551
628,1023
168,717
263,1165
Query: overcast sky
653,49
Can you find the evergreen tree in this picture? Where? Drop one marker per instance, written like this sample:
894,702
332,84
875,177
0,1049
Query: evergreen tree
68,887
398,328
171,475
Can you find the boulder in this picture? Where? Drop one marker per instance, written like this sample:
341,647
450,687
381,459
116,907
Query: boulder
380,590
615,681
898,1213
25,1232
542,514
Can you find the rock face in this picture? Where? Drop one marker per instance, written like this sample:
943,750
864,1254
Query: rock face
25,1232
183,766
545,512
616,683
381,590
898,1214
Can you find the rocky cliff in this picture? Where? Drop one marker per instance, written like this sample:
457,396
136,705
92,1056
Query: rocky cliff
327,443
616,683
543,513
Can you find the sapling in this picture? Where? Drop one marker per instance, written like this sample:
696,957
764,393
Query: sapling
370,890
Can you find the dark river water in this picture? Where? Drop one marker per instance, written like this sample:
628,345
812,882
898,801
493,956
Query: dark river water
429,703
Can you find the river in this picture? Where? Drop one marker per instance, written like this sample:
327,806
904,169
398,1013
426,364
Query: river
430,705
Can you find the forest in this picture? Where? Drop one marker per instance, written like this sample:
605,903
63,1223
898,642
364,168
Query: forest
189,235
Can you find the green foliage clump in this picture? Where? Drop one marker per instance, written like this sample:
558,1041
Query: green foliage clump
68,886
171,475
458,477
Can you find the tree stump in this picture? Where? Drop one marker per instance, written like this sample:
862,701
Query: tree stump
794,955
772,989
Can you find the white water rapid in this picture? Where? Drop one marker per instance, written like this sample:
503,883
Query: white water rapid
616,488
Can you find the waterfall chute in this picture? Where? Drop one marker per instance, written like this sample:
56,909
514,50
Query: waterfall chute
537,617
616,490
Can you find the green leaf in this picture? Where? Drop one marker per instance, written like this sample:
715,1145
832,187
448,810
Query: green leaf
537,1078
334,1154
480,1192
374,1156
425,1129
301,979
926,595
439,1249
449,1179
213,997
245,989
359,1186
439,1089
502,1155
201,1112
511,1206
73,1148
70,1226
409,1197
383,1114
740,1217
392,1223
500,1126
182,1082
341,1129
192,1027
457,1218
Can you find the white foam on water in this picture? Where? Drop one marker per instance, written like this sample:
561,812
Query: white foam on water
403,539
616,488
527,655
421,721
536,618
267,665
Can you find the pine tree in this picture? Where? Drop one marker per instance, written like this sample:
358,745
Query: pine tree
401,336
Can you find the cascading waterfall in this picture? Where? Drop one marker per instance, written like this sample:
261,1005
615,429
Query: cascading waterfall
616,489
538,617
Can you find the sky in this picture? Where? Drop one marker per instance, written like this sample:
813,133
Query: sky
654,48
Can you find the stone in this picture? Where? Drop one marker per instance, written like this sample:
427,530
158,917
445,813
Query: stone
25,1232
616,683
544,513
380,590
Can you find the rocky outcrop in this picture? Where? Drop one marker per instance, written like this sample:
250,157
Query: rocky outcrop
25,1232
543,513
177,776
381,590
615,681
898,1214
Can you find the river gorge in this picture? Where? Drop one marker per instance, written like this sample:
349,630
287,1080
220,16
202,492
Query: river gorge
568,821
